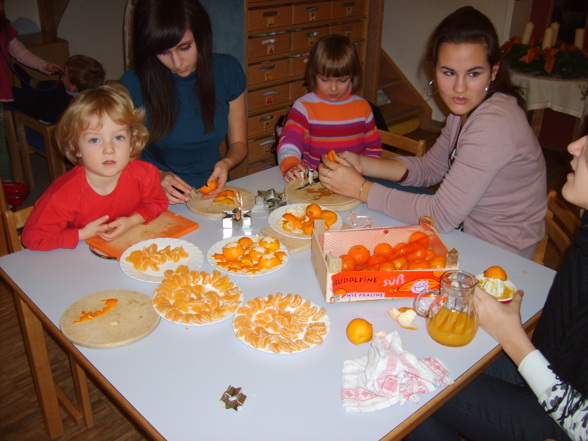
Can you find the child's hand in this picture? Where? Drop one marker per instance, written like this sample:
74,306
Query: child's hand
94,228
295,173
119,226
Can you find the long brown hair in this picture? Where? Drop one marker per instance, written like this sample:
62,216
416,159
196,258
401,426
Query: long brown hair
4,23
160,25
468,25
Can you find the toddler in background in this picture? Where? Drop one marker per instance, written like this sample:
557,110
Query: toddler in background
109,191
47,100
331,116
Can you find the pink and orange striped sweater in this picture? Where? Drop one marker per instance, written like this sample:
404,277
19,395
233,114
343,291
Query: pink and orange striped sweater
316,125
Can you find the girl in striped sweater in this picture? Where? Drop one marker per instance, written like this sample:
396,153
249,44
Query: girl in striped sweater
331,116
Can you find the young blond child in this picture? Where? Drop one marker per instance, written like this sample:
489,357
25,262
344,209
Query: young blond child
331,116
108,191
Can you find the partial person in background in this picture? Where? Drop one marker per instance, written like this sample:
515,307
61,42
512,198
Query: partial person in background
487,160
10,46
540,391
331,116
47,100
193,97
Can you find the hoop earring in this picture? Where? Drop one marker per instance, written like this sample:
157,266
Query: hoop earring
431,89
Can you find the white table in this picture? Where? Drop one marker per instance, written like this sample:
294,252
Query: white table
564,96
172,380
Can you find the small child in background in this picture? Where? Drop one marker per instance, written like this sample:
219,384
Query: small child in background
47,100
109,191
331,116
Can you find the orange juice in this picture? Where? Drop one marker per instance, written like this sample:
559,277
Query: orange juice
452,328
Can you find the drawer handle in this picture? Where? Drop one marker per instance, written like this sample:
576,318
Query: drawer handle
348,4
269,92
268,41
273,66
311,34
267,118
269,141
312,8
270,14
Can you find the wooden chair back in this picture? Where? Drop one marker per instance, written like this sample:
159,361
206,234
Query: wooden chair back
402,143
13,223
21,147
561,224
128,34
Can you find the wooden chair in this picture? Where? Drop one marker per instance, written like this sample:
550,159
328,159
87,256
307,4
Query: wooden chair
128,34
12,223
561,224
399,142
26,135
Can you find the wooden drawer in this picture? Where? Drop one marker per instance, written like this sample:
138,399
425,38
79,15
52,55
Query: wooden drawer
264,124
307,38
268,44
267,71
354,31
263,18
347,8
297,89
298,63
260,148
360,48
262,165
268,97
310,12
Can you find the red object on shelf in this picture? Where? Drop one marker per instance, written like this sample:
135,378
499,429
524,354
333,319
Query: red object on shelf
15,193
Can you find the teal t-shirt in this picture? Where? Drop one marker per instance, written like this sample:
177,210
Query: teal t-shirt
188,151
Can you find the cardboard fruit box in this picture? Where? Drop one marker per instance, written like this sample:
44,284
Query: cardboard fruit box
354,286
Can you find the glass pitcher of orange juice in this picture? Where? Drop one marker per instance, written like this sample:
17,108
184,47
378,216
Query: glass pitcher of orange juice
450,312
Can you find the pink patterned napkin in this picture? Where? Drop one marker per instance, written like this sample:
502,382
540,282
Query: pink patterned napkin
389,375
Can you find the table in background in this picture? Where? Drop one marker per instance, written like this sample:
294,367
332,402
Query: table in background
171,382
564,96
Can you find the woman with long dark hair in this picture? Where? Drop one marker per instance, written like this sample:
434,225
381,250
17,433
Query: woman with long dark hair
487,159
193,97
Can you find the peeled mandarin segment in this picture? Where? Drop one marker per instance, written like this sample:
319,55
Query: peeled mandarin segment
227,194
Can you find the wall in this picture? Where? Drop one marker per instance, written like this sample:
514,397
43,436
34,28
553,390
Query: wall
407,28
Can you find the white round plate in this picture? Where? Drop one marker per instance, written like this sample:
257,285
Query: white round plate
217,248
291,310
194,261
275,220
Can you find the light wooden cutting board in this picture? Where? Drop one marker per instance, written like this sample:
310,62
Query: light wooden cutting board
211,208
168,224
132,318
320,195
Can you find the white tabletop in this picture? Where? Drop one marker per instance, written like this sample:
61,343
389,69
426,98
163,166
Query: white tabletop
565,96
176,376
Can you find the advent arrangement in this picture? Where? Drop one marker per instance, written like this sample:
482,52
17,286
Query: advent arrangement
548,57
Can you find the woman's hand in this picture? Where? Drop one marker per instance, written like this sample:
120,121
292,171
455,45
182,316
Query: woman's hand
342,177
352,159
503,322
220,173
176,189
295,173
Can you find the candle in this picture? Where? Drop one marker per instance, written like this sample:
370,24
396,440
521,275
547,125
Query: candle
555,27
527,33
579,40
547,37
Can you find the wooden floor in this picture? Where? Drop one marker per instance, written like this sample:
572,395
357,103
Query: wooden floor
20,416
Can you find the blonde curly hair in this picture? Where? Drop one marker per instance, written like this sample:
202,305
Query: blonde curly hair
112,100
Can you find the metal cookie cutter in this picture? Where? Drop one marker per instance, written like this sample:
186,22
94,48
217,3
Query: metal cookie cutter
271,199
233,398
237,218
308,178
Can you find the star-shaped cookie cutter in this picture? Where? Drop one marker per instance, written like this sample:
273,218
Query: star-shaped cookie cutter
233,398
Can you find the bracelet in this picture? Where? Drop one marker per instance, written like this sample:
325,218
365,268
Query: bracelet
361,188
